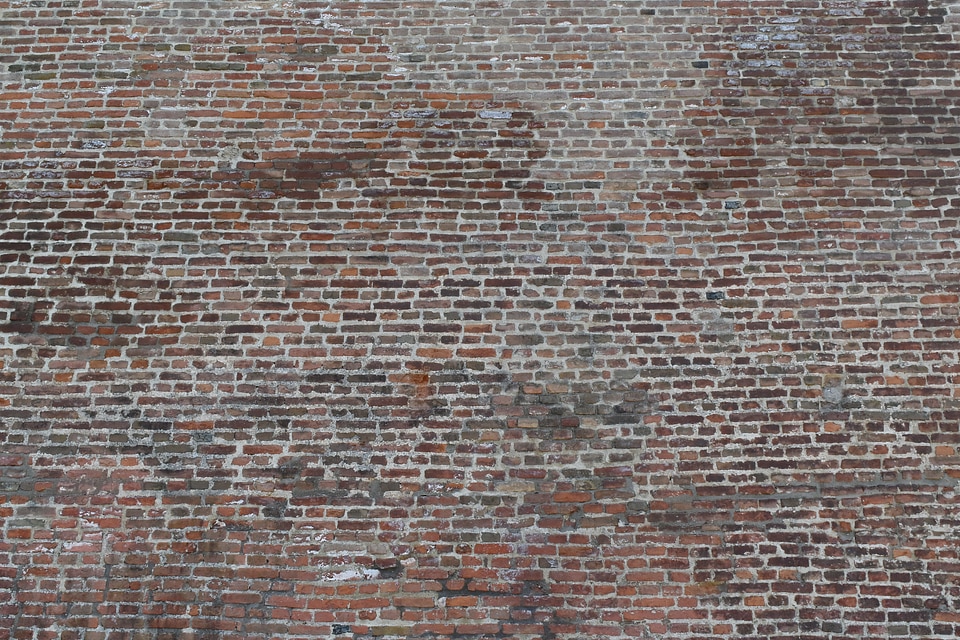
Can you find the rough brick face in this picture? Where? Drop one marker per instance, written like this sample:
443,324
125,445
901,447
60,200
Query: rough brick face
501,319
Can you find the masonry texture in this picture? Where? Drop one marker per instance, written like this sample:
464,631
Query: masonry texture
550,319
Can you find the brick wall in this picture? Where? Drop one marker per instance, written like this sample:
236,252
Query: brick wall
522,319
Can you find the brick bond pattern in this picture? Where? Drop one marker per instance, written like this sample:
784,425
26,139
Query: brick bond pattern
501,319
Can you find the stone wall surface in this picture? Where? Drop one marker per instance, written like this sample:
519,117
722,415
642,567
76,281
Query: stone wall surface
549,319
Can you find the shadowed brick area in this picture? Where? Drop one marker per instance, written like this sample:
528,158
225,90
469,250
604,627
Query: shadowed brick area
505,319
